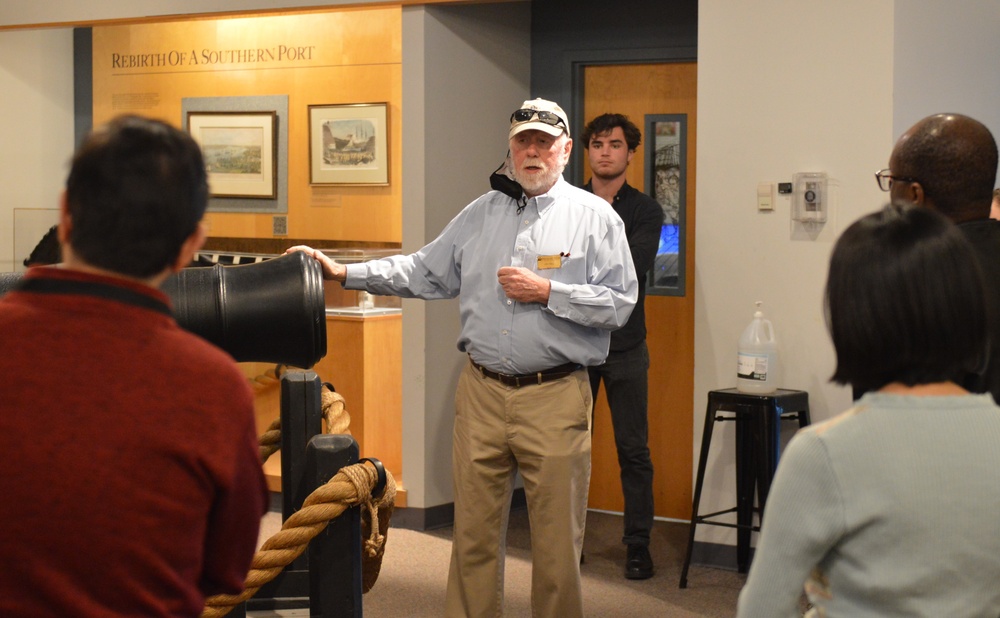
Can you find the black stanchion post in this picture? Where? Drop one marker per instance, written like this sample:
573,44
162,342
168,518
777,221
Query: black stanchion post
301,419
335,581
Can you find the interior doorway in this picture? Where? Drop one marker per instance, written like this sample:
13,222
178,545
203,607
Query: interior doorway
638,90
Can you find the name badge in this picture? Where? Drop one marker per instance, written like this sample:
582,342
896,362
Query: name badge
549,261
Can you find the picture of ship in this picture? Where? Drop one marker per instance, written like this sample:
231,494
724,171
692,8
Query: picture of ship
349,143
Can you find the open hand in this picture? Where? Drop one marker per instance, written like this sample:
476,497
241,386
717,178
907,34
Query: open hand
331,269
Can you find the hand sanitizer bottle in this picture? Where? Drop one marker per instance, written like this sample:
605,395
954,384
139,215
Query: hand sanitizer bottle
757,365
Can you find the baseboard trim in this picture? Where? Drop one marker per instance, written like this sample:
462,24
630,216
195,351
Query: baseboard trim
441,516
715,555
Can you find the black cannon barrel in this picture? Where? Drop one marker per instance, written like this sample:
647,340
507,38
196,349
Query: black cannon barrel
270,312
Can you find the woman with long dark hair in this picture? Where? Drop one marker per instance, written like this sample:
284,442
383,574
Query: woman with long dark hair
893,507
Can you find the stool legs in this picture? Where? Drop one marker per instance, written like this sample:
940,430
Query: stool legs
758,424
706,441
747,476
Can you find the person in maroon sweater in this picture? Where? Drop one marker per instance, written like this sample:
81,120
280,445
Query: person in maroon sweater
131,482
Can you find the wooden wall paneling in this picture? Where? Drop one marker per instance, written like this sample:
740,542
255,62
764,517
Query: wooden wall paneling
364,363
344,368
337,56
383,360
354,56
267,407
636,90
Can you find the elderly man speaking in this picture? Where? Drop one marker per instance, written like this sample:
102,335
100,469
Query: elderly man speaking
543,274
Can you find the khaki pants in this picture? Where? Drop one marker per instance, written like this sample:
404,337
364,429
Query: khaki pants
543,431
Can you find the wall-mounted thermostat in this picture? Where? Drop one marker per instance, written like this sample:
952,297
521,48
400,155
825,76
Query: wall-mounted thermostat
809,198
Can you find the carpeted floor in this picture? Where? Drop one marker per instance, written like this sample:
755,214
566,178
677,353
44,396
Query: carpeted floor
415,570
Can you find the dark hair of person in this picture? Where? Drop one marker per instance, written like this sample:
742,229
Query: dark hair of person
954,158
137,189
603,124
47,251
905,301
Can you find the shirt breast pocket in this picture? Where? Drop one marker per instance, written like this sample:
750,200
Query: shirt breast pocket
562,267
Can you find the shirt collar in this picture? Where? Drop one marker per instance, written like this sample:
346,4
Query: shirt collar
54,280
543,201
622,190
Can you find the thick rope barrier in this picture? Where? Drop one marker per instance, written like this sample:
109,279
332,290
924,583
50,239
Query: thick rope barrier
333,406
351,486
335,414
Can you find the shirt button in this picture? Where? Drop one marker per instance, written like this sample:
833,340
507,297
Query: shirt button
527,221
509,301
520,248
503,332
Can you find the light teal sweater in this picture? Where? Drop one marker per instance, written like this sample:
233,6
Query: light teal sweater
889,509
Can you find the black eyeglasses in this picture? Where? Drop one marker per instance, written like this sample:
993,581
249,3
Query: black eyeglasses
524,115
884,179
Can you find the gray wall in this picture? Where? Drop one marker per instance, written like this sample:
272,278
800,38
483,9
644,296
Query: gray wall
945,60
464,69
36,104
784,86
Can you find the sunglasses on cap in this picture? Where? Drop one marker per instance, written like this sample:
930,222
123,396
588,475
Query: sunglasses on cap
524,115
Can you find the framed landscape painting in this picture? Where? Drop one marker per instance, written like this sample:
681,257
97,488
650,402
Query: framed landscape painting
238,148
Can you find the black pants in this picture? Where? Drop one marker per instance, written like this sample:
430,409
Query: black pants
626,384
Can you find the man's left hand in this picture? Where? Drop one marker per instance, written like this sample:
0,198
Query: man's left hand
523,285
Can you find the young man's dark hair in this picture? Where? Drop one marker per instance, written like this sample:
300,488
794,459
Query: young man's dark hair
905,301
136,191
606,122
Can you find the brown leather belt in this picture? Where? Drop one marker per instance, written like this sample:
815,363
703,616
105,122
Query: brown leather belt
527,379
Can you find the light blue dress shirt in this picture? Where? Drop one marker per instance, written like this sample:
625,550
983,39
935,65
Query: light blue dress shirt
568,235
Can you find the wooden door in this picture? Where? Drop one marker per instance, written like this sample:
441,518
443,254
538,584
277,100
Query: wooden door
637,90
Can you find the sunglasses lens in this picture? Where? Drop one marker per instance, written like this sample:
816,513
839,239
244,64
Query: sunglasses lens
523,115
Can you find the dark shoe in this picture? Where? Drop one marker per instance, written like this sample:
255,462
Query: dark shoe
638,564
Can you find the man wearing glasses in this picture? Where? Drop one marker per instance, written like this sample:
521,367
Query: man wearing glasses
543,274
948,162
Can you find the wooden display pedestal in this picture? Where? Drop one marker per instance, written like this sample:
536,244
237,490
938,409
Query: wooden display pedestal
364,363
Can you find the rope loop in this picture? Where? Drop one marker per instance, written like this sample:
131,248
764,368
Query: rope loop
351,486
366,484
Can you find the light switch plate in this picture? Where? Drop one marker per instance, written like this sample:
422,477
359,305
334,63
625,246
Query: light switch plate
765,196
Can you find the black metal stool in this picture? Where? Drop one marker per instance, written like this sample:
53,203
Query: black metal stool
758,430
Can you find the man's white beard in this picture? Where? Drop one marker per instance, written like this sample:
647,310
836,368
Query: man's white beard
536,184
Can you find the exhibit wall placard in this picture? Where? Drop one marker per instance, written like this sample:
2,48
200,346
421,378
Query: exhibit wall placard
334,57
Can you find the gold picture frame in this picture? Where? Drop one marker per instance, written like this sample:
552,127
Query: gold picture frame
349,144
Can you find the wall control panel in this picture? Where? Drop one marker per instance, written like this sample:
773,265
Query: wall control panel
809,197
